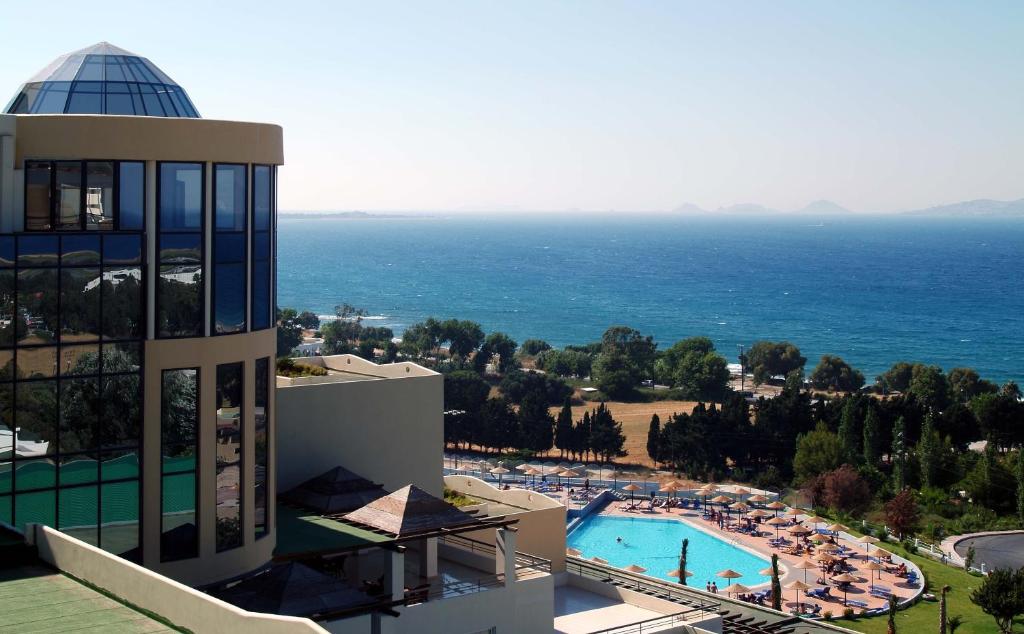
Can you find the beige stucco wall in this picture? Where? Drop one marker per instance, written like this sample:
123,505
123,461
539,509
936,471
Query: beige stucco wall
388,430
147,138
146,589
541,529
206,354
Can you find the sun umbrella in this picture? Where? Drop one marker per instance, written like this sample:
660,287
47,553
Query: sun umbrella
874,565
668,487
729,574
631,488
818,538
867,539
825,557
757,497
816,519
740,506
798,586
766,571
741,491
837,528
598,560
776,522
794,511
675,573
845,579
722,499
739,587
878,552
759,513
634,568
805,565
828,548
533,473
499,471
775,506
798,530
567,473
573,552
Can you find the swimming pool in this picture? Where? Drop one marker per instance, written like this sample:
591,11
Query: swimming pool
655,543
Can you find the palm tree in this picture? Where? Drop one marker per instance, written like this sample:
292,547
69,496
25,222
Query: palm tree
942,610
776,584
954,622
891,629
682,561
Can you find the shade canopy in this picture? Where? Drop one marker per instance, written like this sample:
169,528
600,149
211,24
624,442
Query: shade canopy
409,511
798,530
777,521
741,491
631,487
294,589
766,571
721,499
845,578
739,506
102,79
728,573
836,528
668,488
757,497
868,539
805,564
816,519
798,585
738,587
675,573
874,565
635,568
759,513
775,506
878,552
568,473
794,512
335,491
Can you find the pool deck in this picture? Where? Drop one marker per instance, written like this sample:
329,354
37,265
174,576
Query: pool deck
859,591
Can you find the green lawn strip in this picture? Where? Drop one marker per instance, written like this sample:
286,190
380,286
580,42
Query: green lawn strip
923,616
153,615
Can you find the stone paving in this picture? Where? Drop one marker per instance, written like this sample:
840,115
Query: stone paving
37,599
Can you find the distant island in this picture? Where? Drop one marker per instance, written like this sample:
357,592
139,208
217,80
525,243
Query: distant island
983,207
341,215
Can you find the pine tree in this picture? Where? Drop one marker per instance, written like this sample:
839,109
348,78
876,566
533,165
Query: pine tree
776,584
606,437
899,454
654,439
872,437
1020,485
581,436
929,451
943,621
849,437
563,429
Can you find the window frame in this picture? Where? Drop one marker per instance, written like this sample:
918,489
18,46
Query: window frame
83,167
246,247
240,462
195,469
271,251
201,232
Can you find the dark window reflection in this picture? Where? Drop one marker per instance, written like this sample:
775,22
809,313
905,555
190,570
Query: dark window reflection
99,195
80,304
180,291
132,200
181,196
68,194
37,306
37,196
36,413
229,197
229,456
261,466
261,240
179,422
79,414
79,513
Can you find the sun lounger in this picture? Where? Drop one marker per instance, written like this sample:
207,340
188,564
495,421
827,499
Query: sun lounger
856,604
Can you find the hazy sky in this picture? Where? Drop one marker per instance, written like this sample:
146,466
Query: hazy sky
591,105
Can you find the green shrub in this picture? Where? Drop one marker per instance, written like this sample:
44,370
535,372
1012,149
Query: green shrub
287,367
827,615
848,614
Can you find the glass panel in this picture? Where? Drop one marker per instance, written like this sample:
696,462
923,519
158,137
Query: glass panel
35,508
75,360
118,249
119,519
261,439
37,196
261,197
229,298
37,250
85,102
7,308
179,534
229,247
80,414
91,69
229,455
122,414
68,194
181,196
34,474
80,305
229,197
37,306
122,357
120,465
53,98
261,245
99,195
7,373
79,513
132,194
7,249
120,103
180,301
36,363
80,250
122,303
80,469
36,416
179,413
181,248
6,511
260,295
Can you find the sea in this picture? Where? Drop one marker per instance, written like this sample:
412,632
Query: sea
871,289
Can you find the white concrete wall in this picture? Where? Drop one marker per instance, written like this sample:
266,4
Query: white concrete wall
146,589
389,430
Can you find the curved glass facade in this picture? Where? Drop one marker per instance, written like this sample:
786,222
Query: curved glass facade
102,79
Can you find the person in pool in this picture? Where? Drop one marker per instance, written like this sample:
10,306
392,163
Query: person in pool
618,539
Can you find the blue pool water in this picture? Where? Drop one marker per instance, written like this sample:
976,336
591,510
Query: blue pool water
655,543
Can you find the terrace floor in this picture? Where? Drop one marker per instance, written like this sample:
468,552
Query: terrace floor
579,612
36,599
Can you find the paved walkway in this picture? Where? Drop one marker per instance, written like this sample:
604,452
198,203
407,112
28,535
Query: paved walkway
1005,550
36,599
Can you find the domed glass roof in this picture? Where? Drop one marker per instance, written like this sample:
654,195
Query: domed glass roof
102,79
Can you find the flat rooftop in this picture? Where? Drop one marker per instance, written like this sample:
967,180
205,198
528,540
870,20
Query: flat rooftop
580,612
36,599
345,368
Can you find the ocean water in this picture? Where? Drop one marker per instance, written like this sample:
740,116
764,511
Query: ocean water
873,290
654,544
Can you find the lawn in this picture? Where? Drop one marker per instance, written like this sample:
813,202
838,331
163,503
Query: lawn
923,617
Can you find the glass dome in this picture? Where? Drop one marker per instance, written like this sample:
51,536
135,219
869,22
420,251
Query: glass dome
102,79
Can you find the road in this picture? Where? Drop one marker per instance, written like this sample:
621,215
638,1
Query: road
995,551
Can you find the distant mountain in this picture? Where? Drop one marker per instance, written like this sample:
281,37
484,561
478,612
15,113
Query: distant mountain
689,209
746,208
980,207
823,207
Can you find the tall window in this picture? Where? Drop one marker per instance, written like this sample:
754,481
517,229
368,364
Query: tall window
262,430
229,248
262,212
71,315
180,296
84,195
179,436
229,456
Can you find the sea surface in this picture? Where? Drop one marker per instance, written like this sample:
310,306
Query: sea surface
873,290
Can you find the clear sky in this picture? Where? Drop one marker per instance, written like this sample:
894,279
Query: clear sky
633,105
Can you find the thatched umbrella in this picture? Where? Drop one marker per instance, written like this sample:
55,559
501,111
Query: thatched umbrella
845,579
798,586
776,522
836,528
880,553
668,487
533,473
818,538
573,552
759,513
775,506
867,539
757,498
675,573
766,571
635,568
794,512
566,473
729,574
499,471
874,565
632,488
816,519
733,590
805,565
